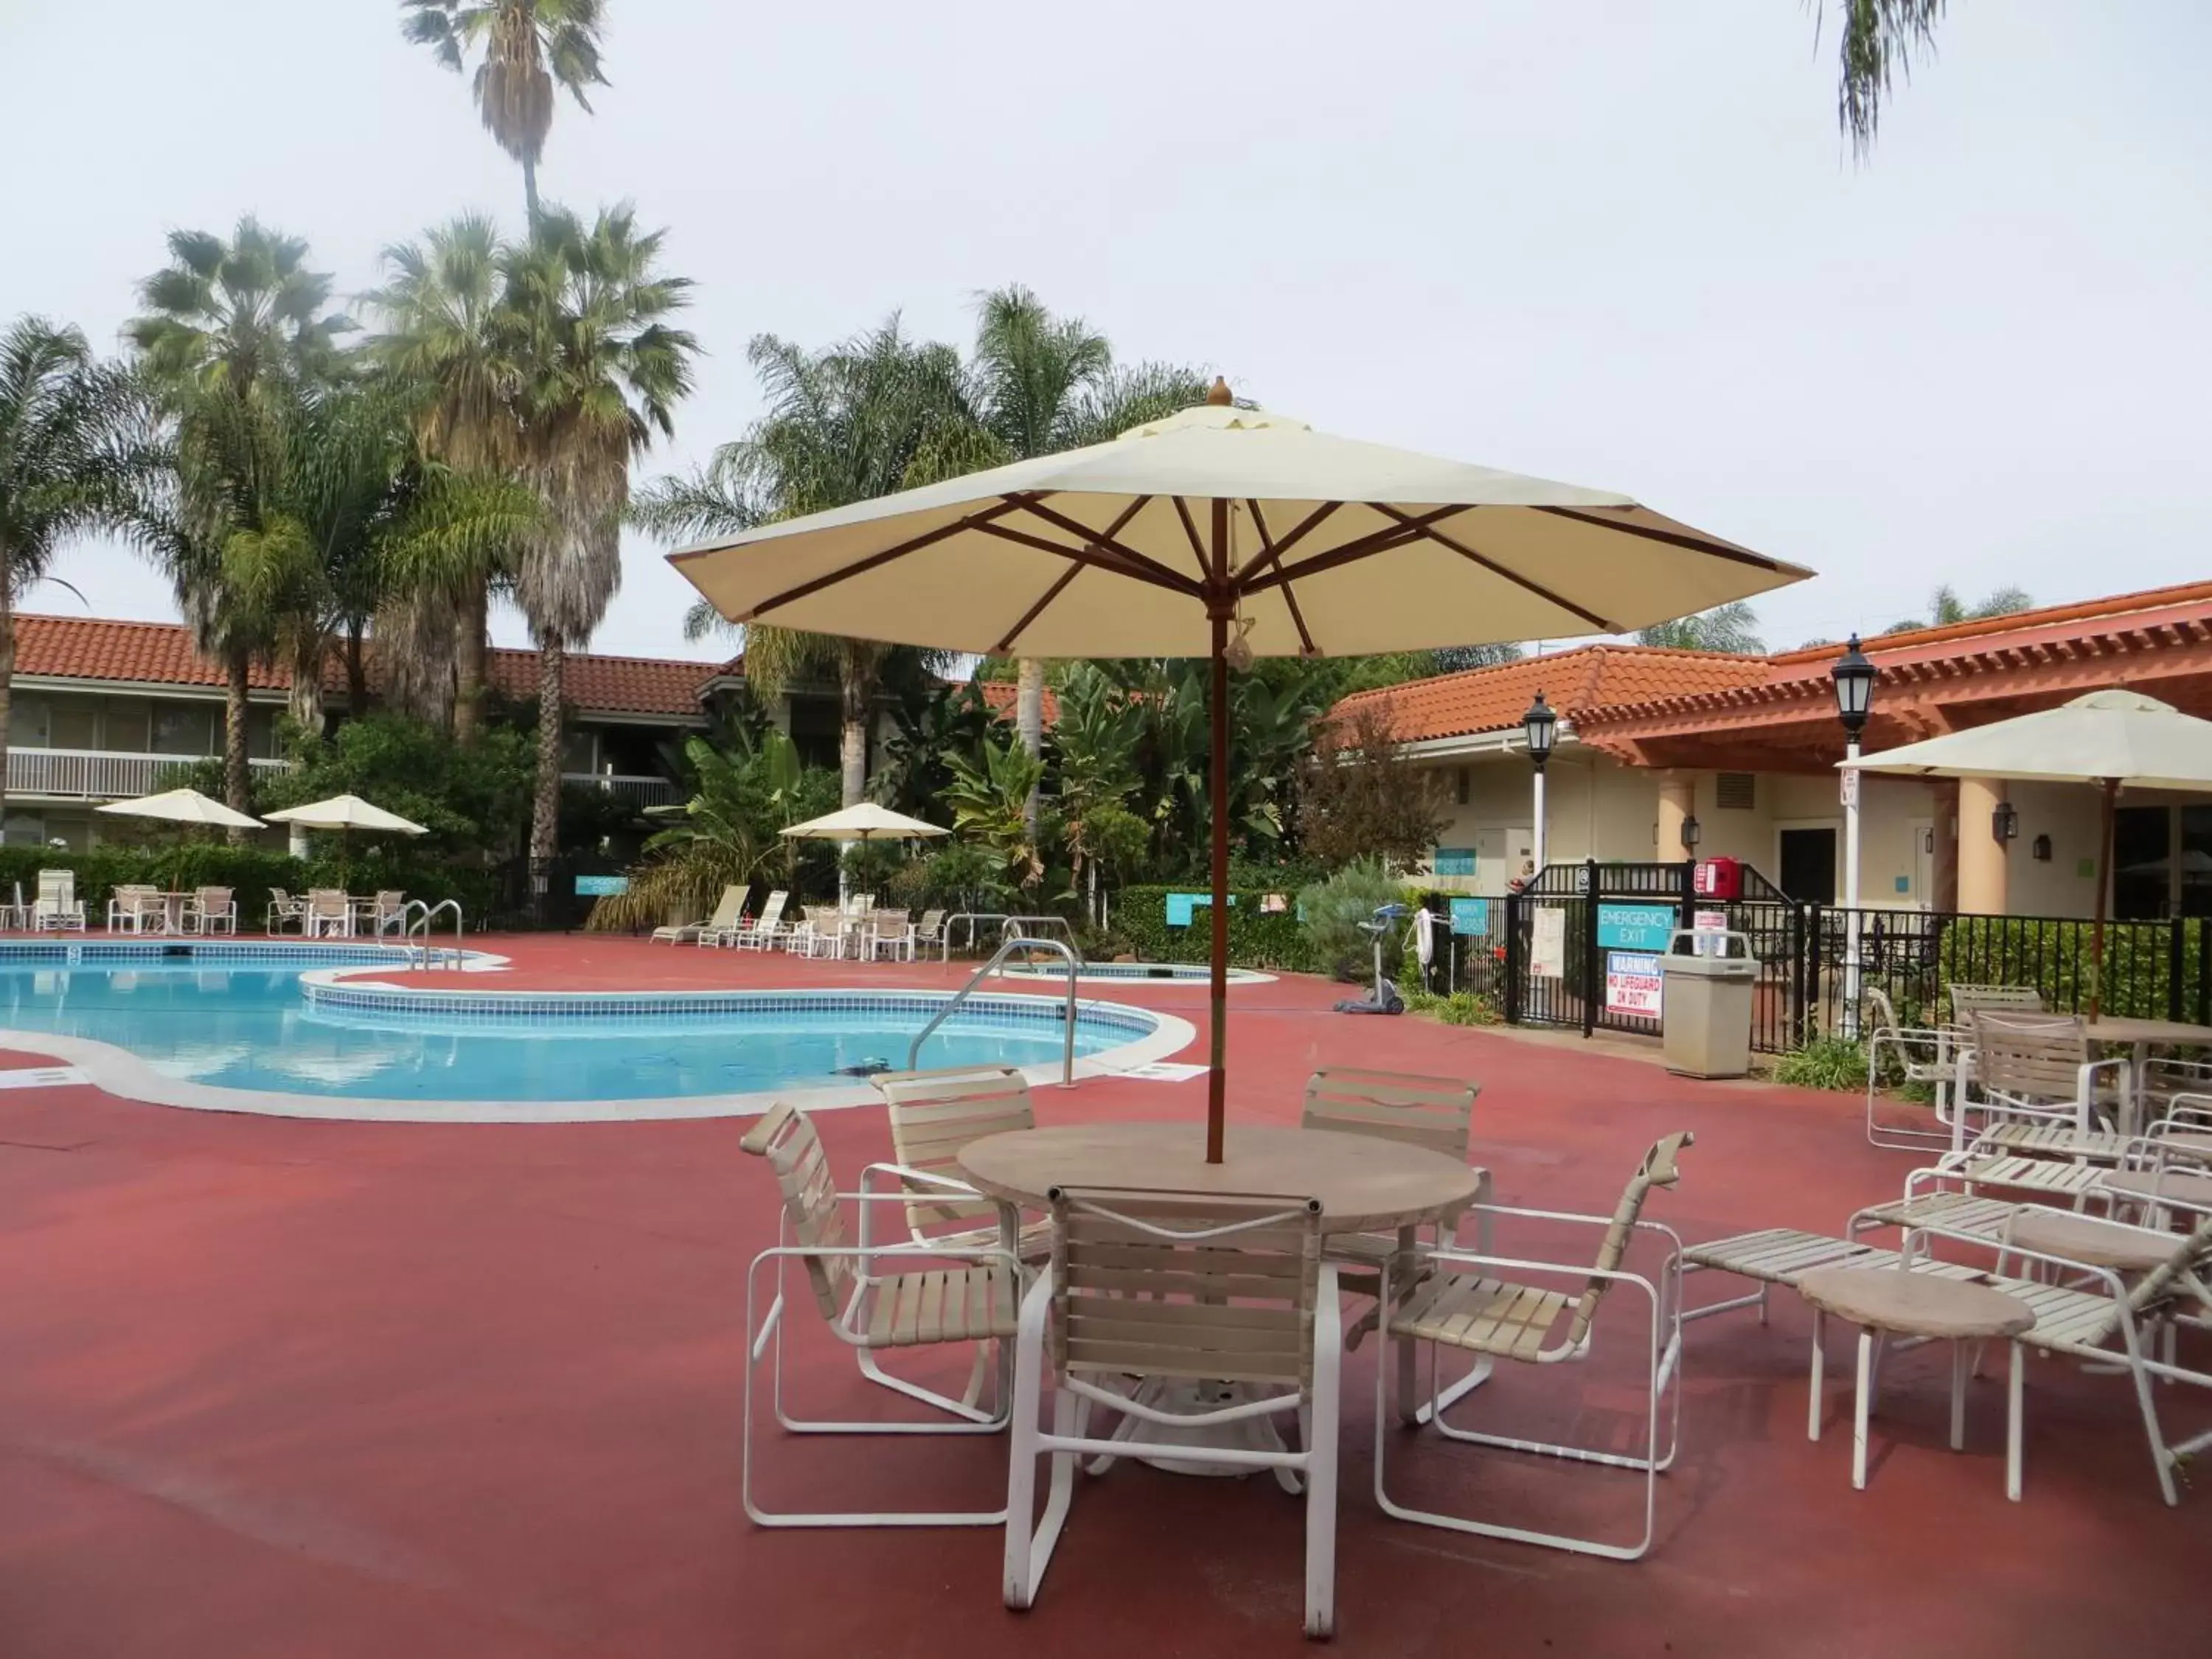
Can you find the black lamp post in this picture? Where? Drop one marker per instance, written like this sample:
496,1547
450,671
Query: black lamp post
1854,676
1540,726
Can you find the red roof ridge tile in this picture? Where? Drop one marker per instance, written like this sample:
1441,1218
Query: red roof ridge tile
2111,604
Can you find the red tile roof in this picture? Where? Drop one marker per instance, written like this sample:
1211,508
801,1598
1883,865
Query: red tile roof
1494,699
999,697
161,653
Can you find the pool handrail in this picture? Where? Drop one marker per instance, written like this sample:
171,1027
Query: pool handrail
410,923
1074,970
971,917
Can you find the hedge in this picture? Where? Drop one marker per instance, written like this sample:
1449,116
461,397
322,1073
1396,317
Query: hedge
1257,939
2055,958
250,872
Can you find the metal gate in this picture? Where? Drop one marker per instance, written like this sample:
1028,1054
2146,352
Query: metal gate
1583,943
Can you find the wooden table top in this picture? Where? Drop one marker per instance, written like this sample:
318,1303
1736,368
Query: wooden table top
2086,1238
1363,1183
2123,1028
1915,1304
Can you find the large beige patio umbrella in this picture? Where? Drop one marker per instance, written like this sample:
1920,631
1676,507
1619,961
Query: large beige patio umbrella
345,814
866,822
181,806
2115,739
1225,532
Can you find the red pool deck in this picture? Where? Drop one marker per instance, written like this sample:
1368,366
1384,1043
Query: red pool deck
283,1389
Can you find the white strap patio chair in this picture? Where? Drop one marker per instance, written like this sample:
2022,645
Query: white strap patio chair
888,933
766,927
1919,1057
329,913
873,1298
929,932
57,908
721,928
135,908
285,911
1967,1000
1220,1302
935,1116
2037,1068
1509,1319
211,910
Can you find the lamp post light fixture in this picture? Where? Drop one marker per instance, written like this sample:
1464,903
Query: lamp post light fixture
1854,676
1540,726
1692,832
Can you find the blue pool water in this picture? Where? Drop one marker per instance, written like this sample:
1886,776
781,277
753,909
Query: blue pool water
247,1025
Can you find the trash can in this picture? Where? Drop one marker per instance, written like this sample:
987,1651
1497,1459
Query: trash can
1706,1029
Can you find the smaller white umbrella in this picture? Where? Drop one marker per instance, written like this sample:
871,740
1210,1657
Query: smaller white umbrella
347,812
866,822
181,806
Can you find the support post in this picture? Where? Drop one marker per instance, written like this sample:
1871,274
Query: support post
1592,969
1221,610
1539,809
1852,784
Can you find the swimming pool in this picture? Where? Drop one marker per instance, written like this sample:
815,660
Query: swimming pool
240,1018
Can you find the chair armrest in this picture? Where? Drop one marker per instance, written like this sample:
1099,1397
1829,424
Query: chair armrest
918,1177
2105,1276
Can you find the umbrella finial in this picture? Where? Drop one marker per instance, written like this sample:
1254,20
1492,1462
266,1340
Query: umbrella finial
1217,395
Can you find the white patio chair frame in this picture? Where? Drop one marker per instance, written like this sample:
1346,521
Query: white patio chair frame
1925,1054
198,918
328,914
720,929
132,905
58,909
767,928
880,935
1502,1337
284,907
2003,1076
866,1308
1150,1337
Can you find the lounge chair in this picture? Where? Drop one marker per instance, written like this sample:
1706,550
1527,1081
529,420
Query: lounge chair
1503,1318
719,928
872,1298
210,910
135,908
58,909
1147,1290
766,928
285,911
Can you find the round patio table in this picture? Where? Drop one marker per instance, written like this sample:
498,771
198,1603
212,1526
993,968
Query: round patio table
1362,1183
2139,1037
1898,1303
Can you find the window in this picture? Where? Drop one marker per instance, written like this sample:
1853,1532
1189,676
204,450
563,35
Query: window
26,830
185,728
2143,863
73,723
1735,792
579,752
1460,784
1808,866
27,722
124,729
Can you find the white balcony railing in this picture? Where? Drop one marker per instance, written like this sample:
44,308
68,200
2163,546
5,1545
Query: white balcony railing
645,791
93,774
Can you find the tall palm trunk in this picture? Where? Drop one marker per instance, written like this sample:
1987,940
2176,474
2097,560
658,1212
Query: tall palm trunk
530,190
1029,724
853,741
545,814
469,656
356,674
7,676
237,777
304,701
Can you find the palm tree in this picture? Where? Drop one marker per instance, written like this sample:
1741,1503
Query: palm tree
444,333
860,419
59,462
1046,383
234,347
1731,627
1878,41
1945,607
528,47
599,370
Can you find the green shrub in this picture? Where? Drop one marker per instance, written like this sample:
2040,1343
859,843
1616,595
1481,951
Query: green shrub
2020,951
1460,1008
1259,938
1333,911
1824,1063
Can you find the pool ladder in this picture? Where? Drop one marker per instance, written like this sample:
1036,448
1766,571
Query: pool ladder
416,917
1066,951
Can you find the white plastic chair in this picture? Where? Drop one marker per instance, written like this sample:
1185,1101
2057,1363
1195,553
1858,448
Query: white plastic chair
874,1298
210,910
1148,1295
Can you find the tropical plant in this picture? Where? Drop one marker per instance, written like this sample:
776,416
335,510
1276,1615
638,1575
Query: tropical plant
945,721
989,798
1878,41
524,49
1945,608
1732,628
1331,912
598,371
61,455
1823,1063
1097,736
234,347
844,424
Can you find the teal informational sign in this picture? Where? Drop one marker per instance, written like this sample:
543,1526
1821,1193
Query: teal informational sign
1180,905
1455,860
1471,917
601,886
1635,926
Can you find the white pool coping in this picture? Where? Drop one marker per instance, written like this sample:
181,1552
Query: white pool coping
120,1072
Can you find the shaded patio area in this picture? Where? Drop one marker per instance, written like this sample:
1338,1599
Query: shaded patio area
276,1388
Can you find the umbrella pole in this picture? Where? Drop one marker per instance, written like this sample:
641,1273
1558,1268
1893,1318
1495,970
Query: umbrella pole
2104,876
1217,1078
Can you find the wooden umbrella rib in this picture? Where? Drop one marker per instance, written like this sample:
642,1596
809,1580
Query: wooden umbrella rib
1271,552
1671,537
1377,540
1059,585
1190,529
1098,559
1298,620
1603,624
914,544
1109,538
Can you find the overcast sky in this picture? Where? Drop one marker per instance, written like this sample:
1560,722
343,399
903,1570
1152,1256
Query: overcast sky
1617,244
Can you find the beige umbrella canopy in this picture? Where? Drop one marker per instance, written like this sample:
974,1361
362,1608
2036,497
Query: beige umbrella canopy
181,806
1226,533
347,812
2116,739
866,822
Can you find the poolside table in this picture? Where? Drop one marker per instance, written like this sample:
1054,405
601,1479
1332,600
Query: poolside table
2139,1037
1364,1184
1895,1302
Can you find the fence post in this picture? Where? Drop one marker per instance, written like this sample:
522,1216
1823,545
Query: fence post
1808,962
2174,960
1593,978
1513,960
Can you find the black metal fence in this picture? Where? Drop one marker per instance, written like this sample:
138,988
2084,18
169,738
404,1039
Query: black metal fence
1574,943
